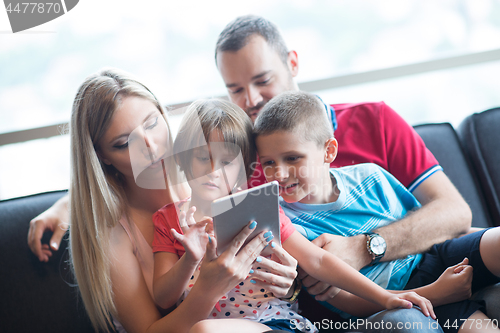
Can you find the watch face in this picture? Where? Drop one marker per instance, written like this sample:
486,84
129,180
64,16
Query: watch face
378,245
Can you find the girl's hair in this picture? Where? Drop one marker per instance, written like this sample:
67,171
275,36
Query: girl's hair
97,197
215,115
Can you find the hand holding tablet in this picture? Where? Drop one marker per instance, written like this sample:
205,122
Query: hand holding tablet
233,212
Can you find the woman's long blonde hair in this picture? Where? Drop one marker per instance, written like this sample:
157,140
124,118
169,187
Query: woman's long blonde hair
97,197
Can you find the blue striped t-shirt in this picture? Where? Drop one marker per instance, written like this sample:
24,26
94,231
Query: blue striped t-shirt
369,198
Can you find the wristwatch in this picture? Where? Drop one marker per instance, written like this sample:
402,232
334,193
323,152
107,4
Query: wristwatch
376,246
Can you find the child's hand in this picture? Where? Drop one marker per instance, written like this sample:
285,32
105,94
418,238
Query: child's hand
195,237
407,300
453,285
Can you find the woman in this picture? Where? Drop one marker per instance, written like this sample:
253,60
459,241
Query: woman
119,143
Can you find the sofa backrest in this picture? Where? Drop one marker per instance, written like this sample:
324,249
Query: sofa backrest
35,296
480,135
443,142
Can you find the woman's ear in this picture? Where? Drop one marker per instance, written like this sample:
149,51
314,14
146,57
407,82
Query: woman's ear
331,150
99,155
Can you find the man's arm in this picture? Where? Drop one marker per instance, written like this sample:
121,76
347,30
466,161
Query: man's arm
55,219
444,215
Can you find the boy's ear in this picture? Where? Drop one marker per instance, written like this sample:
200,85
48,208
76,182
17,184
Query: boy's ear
293,63
331,146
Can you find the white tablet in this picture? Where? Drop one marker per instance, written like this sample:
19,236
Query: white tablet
233,212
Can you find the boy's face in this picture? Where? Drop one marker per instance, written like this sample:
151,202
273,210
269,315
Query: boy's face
300,166
215,170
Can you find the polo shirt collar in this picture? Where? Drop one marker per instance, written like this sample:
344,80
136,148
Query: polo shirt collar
330,111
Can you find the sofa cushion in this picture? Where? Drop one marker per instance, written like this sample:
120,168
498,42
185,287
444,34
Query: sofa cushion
480,135
443,142
35,296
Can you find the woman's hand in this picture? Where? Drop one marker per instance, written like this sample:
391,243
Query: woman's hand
406,300
194,237
276,274
55,219
219,274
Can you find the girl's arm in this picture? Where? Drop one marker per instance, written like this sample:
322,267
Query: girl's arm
135,308
171,274
328,268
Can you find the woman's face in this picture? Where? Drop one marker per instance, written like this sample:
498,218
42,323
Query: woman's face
137,139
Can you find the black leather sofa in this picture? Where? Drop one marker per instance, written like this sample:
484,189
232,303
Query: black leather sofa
42,297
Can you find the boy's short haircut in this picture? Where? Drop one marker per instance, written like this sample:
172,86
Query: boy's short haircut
295,111
215,115
238,32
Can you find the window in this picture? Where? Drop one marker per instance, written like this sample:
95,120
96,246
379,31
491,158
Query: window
170,45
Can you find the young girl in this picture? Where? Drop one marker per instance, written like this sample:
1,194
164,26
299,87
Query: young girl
215,157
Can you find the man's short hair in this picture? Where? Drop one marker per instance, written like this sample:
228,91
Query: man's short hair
298,112
238,32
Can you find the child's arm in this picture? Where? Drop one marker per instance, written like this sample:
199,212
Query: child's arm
171,274
328,268
453,285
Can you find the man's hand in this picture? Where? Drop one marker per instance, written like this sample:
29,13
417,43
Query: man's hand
54,219
352,250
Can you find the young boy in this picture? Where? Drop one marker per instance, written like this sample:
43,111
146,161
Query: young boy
296,145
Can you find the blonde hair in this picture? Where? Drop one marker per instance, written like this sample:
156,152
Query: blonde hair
97,197
215,114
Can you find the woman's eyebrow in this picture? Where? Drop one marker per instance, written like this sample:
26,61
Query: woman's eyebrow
127,134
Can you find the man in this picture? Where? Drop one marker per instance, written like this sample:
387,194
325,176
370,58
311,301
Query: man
255,65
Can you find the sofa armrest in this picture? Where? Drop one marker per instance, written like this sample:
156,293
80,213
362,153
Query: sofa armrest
35,296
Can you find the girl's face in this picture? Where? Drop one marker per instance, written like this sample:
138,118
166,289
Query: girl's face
215,169
137,139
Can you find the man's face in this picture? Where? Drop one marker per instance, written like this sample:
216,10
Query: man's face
255,74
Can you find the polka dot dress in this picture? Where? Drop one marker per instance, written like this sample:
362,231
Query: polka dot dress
246,300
